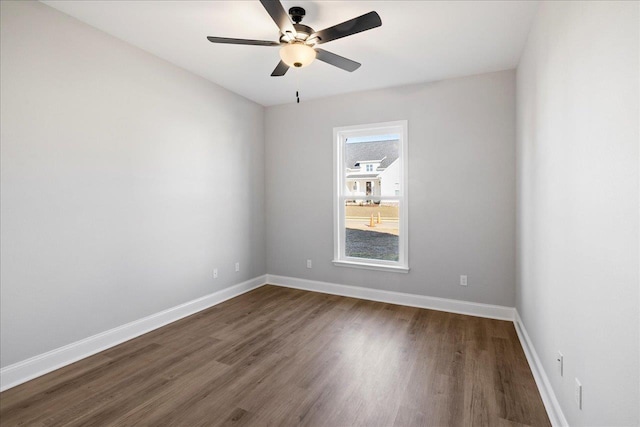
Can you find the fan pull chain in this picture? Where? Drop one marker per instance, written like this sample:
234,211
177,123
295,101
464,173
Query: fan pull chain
297,87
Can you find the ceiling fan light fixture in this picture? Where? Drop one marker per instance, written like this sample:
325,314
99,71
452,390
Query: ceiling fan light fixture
297,55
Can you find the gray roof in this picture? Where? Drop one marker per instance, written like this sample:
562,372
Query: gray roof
362,151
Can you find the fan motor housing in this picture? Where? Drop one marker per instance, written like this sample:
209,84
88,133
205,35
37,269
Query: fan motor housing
302,33
304,29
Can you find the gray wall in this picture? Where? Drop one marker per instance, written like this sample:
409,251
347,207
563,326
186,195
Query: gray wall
461,186
578,191
125,180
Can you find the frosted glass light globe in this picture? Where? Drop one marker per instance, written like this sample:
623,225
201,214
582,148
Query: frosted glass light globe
297,55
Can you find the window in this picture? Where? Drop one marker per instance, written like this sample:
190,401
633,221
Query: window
370,203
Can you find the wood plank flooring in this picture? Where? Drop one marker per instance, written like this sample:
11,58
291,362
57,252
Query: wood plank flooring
278,356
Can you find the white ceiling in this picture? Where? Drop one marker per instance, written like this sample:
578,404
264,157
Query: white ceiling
419,41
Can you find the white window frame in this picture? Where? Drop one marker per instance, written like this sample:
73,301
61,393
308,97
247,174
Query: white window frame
340,135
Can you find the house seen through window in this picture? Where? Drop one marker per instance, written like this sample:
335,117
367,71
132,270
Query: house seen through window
370,196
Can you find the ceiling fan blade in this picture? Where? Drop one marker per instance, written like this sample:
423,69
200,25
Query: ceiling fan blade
356,25
242,41
337,60
279,15
280,70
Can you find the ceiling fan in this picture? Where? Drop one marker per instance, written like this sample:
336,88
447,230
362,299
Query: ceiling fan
299,42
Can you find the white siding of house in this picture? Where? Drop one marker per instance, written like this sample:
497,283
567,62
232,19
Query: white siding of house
390,179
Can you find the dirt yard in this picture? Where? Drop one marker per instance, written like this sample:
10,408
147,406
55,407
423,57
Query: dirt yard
390,212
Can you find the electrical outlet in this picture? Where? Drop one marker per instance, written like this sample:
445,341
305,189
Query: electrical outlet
463,280
560,361
215,273
578,394
237,267
309,264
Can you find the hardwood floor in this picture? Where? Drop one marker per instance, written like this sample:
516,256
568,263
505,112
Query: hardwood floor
278,356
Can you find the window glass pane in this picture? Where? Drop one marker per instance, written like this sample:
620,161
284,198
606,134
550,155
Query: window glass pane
372,166
371,196
371,229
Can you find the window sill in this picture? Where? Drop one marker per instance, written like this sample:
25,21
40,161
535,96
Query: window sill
369,266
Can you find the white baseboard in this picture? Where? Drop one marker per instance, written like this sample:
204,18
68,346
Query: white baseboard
441,304
34,367
551,404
